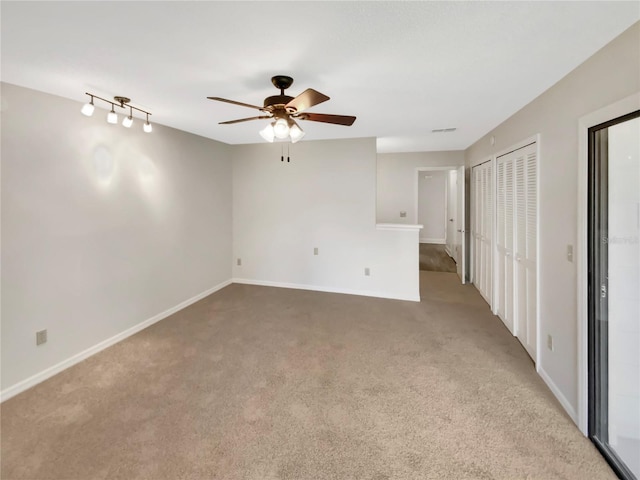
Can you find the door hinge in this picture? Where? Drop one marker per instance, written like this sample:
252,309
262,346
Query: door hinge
603,291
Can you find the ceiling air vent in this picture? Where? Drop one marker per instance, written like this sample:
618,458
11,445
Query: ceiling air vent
443,130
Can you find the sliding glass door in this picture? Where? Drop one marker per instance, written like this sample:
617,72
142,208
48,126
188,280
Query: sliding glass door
614,292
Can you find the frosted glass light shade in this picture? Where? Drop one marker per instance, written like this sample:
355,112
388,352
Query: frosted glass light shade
88,108
127,121
281,128
267,133
147,127
296,133
112,117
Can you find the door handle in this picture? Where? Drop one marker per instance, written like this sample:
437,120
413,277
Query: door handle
451,219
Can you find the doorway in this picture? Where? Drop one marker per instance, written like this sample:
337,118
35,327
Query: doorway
439,207
613,266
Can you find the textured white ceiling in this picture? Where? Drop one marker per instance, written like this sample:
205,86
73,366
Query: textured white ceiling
403,68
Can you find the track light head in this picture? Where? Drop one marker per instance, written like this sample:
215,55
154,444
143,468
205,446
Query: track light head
112,117
147,126
88,108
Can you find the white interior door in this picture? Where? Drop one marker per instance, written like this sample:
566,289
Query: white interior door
460,231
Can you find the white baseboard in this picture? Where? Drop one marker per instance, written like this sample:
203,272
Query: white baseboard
448,250
558,394
439,241
20,387
298,286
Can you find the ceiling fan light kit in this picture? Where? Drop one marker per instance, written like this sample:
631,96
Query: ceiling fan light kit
112,116
284,110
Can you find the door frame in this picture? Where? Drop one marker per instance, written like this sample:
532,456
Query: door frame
615,110
416,192
416,187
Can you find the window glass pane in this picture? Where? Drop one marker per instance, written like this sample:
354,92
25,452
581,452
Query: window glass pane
623,211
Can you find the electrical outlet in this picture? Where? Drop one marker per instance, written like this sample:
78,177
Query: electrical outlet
315,251
367,272
41,337
239,262
550,342
403,214
570,253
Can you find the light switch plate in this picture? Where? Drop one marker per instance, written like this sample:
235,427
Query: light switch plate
315,251
41,337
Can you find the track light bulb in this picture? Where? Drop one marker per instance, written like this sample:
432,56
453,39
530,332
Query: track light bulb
113,116
267,133
147,127
127,121
281,128
88,108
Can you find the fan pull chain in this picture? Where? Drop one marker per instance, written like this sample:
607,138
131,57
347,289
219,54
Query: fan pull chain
287,153
282,153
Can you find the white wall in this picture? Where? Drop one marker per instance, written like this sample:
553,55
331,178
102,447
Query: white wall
324,198
396,181
611,74
452,211
103,227
432,206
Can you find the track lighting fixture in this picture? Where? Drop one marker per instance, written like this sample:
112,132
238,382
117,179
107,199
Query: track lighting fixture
112,117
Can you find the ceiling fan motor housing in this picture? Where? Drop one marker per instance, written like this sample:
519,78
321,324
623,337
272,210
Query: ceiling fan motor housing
277,100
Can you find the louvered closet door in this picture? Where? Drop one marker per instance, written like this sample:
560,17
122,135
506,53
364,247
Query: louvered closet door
508,243
531,258
517,224
475,224
487,231
483,226
501,263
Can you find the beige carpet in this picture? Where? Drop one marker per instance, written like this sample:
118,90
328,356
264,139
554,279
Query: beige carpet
434,258
267,383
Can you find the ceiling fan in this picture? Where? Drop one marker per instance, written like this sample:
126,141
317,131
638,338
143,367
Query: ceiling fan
285,110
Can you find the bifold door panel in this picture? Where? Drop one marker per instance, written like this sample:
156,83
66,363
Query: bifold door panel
516,226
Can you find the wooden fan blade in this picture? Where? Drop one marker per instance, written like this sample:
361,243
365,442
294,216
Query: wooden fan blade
307,99
244,120
322,117
233,102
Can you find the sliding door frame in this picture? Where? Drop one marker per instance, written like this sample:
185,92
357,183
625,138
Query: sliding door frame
618,109
597,291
